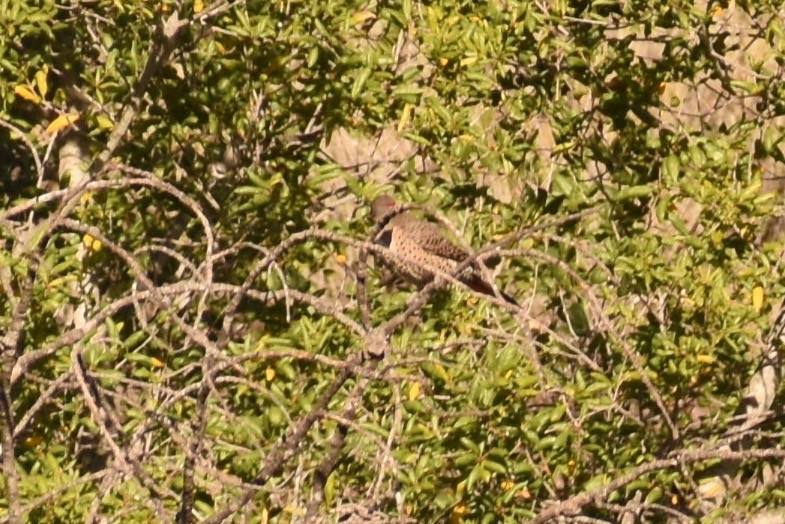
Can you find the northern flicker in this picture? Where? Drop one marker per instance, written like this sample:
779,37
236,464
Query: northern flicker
423,248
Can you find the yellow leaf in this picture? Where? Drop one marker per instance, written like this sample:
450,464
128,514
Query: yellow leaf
757,299
469,60
26,93
340,258
92,243
442,373
61,122
706,359
406,116
711,488
443,61
360,17
458,512
104,122
40,82
155,362
414,391
198,6
269,374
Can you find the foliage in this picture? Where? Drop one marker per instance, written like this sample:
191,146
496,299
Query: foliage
188,316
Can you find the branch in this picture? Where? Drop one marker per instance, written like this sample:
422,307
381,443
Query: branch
575,504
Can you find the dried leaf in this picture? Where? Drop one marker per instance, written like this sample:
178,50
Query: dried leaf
414,391
25,92
757,299
61,122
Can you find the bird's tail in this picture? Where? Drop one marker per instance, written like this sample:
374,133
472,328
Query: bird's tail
479,285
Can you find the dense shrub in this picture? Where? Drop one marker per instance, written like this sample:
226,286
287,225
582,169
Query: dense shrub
195,326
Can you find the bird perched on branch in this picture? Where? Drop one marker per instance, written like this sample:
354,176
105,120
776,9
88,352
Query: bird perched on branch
422,248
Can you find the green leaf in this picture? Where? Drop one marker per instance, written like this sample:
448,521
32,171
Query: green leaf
633,192
359,81
670,167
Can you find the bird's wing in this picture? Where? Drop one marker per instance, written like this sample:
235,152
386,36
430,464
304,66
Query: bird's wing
430,237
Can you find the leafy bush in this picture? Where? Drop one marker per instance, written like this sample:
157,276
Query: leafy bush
196,326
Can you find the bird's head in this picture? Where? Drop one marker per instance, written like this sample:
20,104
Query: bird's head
382,206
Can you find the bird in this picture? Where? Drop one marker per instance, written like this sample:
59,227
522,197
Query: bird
423,249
